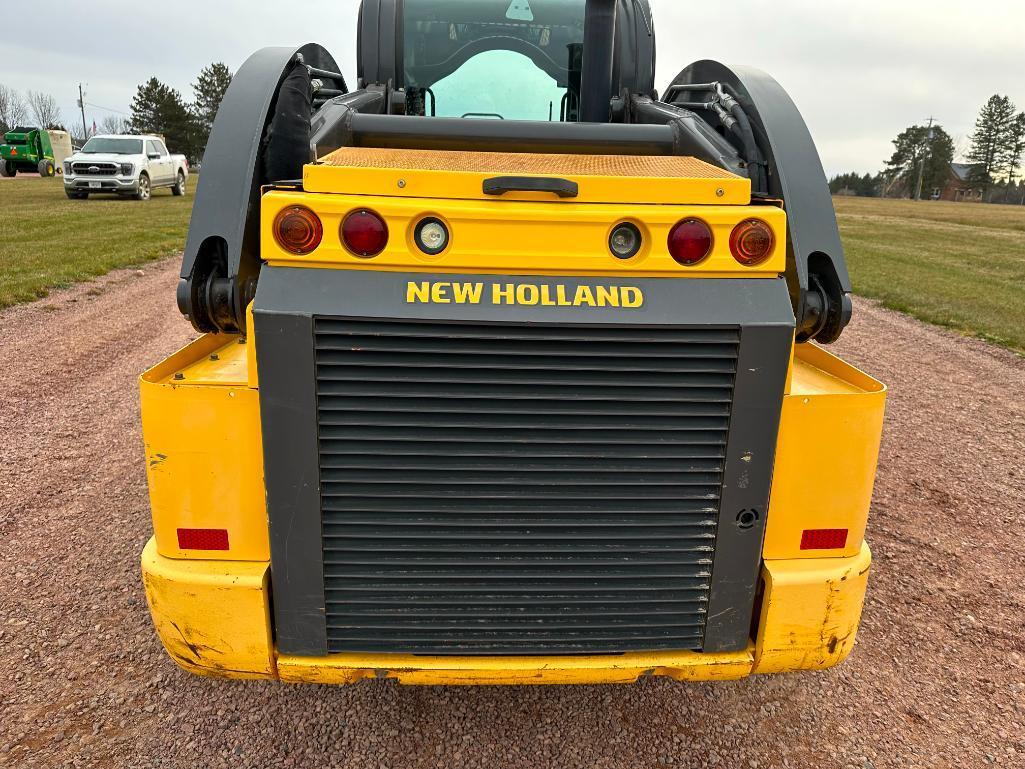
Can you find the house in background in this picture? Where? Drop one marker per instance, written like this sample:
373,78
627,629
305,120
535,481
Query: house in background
962,185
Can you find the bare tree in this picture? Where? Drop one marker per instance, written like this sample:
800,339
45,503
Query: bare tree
114,124
12,109
44,109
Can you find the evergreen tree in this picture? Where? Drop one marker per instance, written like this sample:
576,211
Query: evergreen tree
913,146
209,89
993,138
1016,147
159,109
146,106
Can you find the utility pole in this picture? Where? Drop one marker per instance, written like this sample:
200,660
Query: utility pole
921,167
81,106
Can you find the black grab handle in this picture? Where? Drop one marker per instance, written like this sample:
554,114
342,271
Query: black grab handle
500,185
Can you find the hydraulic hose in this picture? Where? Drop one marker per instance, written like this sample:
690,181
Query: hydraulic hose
743,130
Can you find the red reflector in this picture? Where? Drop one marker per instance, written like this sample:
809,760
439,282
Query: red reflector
203,539
824,539
364,233
690,242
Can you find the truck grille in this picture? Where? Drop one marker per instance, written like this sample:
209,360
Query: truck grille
94,169
497,489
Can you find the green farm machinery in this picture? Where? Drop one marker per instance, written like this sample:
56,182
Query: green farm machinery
34,150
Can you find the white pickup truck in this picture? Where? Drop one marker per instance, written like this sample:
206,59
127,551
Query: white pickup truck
132,166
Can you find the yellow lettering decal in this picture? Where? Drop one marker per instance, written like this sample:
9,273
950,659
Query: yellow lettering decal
418,292
633,298
503,294
584,297
468,293
439,293
608,296
527,295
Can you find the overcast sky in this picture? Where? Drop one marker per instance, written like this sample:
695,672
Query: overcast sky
860,71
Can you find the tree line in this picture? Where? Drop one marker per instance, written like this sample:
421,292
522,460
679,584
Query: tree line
923,155
156,109
35,108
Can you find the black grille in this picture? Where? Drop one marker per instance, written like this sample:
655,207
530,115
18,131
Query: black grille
102,169
496,489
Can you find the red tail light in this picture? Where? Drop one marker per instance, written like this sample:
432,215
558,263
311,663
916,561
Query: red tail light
298,230
824,539
203,539
690,242
364,233
752,242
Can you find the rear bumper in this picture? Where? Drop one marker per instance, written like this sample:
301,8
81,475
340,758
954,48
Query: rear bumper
213,618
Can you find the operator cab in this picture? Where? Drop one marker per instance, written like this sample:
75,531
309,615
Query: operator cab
497,59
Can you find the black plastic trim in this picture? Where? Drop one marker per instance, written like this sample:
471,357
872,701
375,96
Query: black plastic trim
290,299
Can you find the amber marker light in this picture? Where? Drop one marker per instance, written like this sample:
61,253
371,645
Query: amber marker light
298,230
752,242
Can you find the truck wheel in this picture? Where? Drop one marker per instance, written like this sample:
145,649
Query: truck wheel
143,193
76,195
7,169
46,168
179,187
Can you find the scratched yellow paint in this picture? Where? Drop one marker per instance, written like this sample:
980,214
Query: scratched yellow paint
491,671
213,617
811,609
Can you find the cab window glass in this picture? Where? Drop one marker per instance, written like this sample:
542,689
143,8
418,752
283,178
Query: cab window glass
499,85
509,59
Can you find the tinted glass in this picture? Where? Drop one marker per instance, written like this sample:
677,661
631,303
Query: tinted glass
507,59
112,145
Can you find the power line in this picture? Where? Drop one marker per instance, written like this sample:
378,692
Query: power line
107,109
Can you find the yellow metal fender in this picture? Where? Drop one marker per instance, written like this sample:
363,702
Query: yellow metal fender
810,613
213,617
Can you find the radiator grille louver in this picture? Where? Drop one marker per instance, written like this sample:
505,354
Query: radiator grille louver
498,489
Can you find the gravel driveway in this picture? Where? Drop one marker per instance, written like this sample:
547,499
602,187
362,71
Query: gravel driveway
937,680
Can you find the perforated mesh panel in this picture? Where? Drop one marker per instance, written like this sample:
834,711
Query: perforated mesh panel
631,166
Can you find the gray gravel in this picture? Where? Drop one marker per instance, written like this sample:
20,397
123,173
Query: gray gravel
936,680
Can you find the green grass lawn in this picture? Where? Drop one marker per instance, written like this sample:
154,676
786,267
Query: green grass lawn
958,265
48,241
